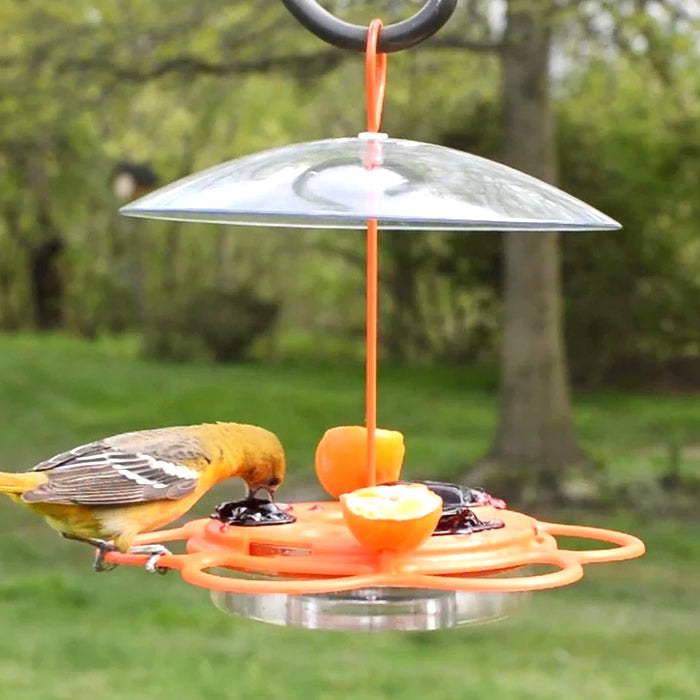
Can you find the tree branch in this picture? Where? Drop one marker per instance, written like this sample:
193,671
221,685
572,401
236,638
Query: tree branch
454,42
315,63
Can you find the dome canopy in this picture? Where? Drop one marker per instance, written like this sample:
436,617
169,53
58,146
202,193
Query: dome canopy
413,185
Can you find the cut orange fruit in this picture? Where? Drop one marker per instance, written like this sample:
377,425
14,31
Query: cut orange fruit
341,458
399,517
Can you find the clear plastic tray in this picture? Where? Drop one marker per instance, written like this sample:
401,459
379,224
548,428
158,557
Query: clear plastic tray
373,609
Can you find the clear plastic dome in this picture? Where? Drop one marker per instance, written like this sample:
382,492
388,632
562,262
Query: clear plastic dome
413,185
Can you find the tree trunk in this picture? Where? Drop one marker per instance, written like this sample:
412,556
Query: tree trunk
535,439
406,336
47,283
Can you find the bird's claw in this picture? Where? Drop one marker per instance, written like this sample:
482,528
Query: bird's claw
156,551
152,565
99,564
102,546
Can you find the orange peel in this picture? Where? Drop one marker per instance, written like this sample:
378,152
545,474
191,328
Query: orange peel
397,518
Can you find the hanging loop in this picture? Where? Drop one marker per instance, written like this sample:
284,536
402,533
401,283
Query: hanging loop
395,37
375,76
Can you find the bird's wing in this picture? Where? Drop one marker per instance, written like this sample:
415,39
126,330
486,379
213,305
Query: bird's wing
69,455
126,469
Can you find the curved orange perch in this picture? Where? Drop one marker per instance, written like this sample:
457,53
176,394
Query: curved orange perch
629,547
318,554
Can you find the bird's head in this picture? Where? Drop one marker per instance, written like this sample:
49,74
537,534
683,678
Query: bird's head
265,473
263,462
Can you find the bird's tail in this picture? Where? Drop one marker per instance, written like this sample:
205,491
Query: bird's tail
11,483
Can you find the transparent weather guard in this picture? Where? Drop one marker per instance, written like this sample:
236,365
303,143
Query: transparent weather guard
410,185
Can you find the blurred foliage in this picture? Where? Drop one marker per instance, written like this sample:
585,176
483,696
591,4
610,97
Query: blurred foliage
631,143
84,85
215,324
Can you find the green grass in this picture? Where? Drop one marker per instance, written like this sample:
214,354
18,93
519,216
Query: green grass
627,631
56,392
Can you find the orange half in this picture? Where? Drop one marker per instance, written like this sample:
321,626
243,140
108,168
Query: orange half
399,517
341,458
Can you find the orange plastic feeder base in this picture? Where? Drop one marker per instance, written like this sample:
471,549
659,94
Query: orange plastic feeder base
313,573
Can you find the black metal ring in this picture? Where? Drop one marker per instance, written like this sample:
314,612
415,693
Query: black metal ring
394,37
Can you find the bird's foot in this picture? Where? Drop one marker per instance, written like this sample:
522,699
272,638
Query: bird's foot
99,564
156,551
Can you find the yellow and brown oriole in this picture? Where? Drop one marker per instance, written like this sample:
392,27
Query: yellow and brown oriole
108,491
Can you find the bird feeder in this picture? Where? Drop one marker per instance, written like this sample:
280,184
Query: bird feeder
302,566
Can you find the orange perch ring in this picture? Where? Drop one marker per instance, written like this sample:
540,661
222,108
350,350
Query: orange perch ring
318,554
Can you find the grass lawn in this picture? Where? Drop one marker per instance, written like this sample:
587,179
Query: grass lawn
628,630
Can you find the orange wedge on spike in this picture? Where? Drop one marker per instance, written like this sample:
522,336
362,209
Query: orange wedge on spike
399,517
341,458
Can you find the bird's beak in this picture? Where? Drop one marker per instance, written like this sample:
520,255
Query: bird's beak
270,491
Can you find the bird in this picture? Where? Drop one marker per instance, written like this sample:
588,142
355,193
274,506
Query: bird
107,492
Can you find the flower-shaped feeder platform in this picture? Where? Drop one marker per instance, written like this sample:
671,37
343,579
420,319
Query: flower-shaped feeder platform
313,573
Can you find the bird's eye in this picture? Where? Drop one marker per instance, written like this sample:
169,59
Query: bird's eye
275,481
